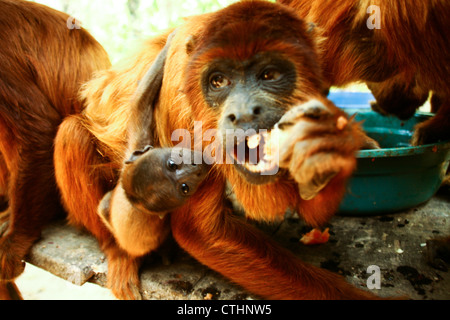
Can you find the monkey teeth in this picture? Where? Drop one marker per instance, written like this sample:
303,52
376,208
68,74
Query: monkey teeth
264,164
253,141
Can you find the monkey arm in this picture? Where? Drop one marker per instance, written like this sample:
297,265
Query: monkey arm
125,222
245,255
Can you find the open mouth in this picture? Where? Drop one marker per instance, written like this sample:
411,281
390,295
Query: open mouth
257,154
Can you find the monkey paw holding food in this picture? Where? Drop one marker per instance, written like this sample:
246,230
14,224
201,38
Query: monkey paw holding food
311,141
154,182
239,68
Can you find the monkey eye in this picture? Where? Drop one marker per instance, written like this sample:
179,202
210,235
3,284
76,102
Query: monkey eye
185,188
219,81
172,165
270,74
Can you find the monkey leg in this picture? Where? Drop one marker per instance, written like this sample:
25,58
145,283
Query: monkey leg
436,128
398,96
32,193
84,177
247,257
9,291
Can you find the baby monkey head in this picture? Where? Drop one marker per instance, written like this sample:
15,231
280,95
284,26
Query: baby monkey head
160,180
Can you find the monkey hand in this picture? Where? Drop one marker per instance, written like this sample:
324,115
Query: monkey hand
432,130
123,274
315,142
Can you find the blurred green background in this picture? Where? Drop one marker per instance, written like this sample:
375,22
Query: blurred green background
120,25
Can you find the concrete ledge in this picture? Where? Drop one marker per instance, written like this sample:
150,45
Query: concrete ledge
394,242
75,256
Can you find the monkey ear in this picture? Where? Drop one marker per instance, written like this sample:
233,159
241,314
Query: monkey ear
190,44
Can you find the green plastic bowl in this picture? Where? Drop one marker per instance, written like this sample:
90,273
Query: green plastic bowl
398,176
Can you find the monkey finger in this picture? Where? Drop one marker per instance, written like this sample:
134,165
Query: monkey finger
369,143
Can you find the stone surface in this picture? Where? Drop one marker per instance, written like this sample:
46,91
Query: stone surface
395,243
69,254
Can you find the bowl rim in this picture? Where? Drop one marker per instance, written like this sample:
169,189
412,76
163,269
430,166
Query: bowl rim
400,151
404,151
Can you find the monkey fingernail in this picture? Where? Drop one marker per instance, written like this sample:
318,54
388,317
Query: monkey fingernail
341,123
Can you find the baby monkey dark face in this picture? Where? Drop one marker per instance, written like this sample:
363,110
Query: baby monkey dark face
156,181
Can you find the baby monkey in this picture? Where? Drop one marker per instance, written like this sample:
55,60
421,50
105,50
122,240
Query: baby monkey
153,183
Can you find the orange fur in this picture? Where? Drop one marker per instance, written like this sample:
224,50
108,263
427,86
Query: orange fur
204,226
125,222
3,180
43,65
90,150
402,61
9,291
83,178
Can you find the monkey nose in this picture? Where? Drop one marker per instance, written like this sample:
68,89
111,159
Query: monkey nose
245,114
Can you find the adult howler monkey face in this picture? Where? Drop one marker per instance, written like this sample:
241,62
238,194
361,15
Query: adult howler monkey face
251,95
253,62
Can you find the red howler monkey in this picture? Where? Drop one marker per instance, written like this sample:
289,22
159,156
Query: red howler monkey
153,181
401,61
241,67
43,64
153,184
